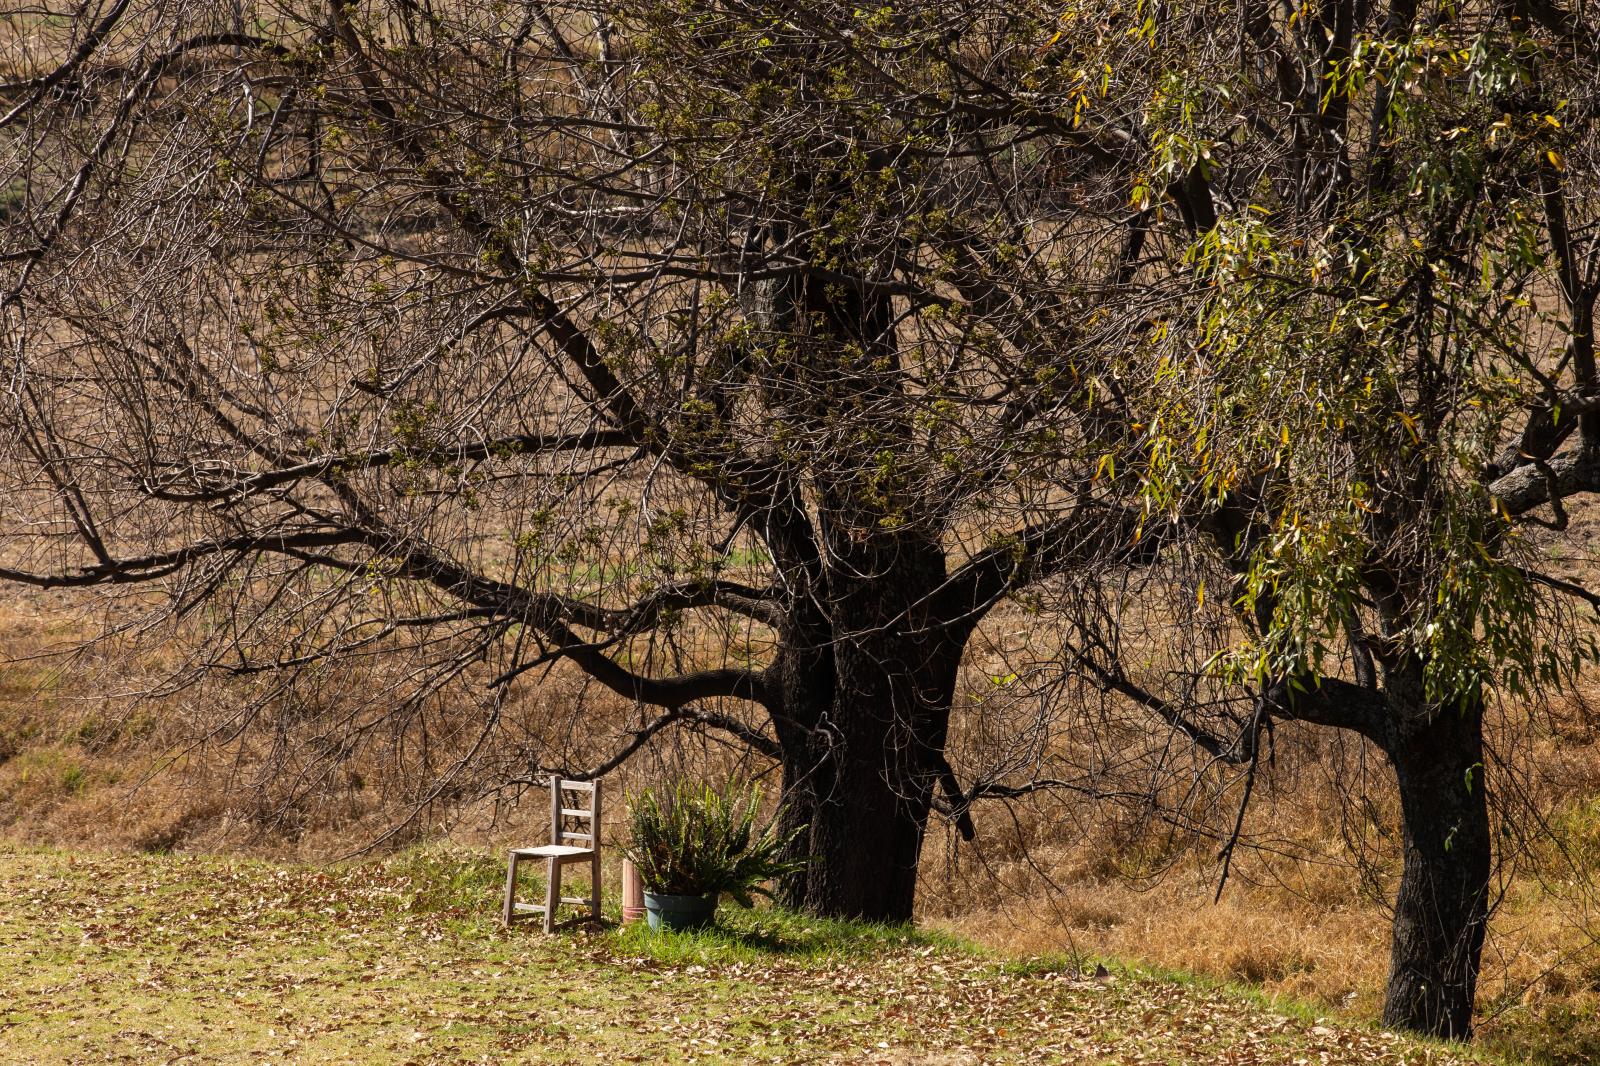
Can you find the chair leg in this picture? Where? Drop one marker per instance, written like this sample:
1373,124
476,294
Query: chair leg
552,895
511,890
594,888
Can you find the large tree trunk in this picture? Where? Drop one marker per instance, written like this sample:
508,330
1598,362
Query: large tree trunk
860,695
865,831
1443,902
862,723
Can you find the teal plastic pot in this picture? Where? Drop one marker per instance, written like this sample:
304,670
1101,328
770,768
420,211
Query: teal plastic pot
679,912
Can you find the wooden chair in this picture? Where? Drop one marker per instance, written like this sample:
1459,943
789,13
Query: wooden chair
558,854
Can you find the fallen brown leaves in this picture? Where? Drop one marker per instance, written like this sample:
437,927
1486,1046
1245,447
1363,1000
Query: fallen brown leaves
180,959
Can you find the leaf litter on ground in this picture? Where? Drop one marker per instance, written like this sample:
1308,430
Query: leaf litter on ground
138,959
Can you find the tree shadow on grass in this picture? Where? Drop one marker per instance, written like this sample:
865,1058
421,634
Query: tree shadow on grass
741,935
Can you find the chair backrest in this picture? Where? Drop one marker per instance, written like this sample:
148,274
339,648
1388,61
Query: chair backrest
585,820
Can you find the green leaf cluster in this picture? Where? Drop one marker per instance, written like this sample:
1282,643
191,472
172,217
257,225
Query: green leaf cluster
689,838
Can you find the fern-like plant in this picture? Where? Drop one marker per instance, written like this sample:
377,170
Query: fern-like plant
691,839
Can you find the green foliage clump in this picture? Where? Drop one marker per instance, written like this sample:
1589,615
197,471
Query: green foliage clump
690,839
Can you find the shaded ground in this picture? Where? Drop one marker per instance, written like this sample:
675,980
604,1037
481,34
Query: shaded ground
177,958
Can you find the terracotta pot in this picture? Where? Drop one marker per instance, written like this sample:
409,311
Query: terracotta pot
632,893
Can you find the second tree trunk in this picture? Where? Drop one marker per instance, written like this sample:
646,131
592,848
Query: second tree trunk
1442,906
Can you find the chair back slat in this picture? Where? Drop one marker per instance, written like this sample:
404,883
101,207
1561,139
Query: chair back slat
560,813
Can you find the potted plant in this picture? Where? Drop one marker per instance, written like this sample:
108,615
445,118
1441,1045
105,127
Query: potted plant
692,842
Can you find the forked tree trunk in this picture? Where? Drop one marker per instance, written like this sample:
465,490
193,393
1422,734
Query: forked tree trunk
1443,901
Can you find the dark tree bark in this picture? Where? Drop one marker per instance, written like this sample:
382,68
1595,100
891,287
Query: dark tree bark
1442,906
865,833
862,723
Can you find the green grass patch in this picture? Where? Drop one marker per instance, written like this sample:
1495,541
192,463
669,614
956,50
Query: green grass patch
761,933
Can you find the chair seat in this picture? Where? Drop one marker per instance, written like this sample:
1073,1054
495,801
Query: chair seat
553,851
